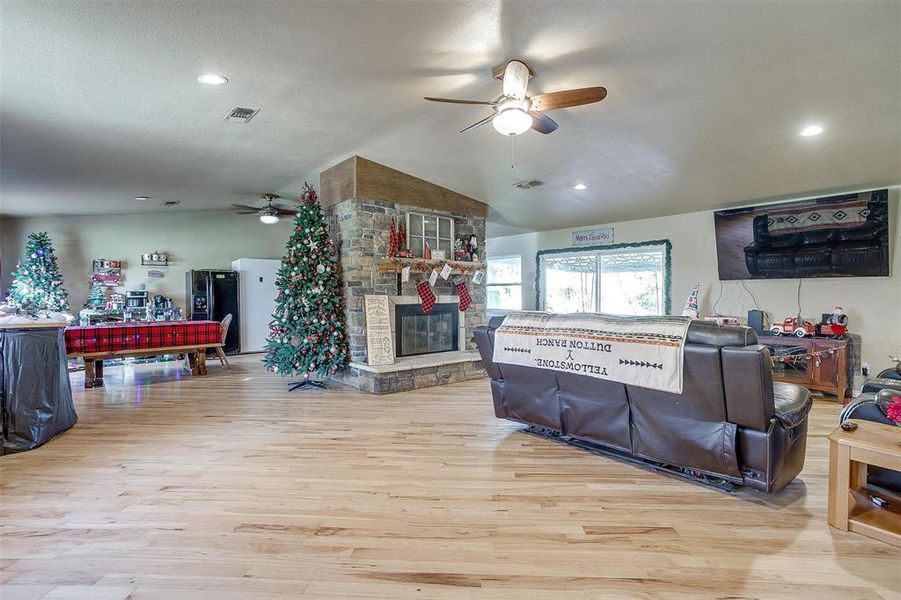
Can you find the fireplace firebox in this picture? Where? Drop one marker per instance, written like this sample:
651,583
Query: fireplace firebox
426,333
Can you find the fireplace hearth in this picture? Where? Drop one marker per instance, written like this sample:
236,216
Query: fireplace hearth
426,333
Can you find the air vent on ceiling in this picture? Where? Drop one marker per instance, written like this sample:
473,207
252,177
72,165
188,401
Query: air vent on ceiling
171,203
528,184
241,114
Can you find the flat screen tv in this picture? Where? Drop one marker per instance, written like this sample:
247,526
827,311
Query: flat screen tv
835,236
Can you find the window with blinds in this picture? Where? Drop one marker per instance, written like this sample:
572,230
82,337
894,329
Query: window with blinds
618,280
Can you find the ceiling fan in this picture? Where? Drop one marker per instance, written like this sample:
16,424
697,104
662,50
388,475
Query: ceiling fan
515,112
270,213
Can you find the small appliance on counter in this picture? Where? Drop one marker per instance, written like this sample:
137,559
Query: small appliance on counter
136,299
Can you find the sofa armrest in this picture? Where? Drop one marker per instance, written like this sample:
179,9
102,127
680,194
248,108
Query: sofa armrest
792,404
485,344
748,385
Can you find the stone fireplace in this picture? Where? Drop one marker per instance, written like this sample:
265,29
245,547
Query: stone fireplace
360,197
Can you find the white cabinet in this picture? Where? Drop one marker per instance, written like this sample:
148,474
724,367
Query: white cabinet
257,299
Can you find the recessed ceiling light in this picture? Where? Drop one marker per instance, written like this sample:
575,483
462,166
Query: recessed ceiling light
142,198
579,186
212,79
811,130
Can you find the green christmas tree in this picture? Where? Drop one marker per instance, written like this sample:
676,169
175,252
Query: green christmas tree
37,282
306,334
97,297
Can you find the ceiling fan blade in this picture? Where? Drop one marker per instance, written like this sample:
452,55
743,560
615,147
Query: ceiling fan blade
478,124
543,123
454,101
245,207
568,98
284,212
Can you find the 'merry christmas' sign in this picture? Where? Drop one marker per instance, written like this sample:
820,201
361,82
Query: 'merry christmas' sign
593,237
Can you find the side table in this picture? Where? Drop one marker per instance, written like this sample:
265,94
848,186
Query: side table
850,452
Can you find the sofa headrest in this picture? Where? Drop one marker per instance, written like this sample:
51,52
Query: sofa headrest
495,322
699,332
711,334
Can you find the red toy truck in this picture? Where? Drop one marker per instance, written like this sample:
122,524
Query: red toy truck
792,326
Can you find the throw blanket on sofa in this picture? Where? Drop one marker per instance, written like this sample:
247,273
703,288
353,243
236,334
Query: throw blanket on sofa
642,351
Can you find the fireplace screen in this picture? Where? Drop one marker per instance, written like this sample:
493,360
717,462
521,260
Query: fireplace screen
418,333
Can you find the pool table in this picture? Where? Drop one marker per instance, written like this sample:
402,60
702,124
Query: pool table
95,343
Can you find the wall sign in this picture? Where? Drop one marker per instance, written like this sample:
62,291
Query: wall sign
593,237
379,341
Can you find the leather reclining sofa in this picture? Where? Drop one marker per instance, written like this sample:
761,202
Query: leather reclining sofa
859,250
870,405
730,422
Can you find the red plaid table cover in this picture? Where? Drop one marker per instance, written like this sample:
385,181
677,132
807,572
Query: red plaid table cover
112,337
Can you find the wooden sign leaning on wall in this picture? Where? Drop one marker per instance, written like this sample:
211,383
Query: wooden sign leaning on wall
379,341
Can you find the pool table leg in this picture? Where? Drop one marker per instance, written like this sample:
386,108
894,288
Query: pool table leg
192,361
201,361
88,374
93,373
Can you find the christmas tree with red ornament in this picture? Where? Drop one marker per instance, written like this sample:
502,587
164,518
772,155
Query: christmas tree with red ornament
306,334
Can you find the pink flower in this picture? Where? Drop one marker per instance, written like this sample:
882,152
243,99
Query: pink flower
894,410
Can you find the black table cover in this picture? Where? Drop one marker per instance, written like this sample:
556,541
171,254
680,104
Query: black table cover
34,387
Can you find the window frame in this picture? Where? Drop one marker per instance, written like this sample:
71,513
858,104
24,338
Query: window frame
665,244
438,238
503,284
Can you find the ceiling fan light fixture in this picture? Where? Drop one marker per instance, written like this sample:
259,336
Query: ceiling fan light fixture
269,216
512,121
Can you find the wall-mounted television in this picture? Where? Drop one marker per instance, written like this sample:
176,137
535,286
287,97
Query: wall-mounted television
834,236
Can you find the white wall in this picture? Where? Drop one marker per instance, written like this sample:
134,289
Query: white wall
873,304
193,240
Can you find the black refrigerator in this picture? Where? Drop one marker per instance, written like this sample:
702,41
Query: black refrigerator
211,295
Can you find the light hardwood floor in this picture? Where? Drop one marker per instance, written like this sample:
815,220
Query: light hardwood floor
226,486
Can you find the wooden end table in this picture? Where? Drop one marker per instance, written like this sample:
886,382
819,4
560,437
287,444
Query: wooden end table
850,452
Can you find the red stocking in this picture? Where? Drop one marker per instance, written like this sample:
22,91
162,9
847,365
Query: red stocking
426,296
463,293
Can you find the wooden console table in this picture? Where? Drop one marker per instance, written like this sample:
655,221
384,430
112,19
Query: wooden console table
850,452
829,373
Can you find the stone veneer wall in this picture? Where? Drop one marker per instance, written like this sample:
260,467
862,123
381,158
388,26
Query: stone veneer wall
412,379
360,228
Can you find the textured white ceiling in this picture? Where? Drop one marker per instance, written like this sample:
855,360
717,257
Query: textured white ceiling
100,103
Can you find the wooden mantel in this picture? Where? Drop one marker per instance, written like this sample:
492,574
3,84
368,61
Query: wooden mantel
364,179
425,265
